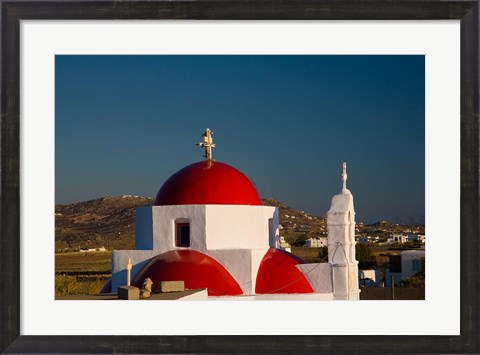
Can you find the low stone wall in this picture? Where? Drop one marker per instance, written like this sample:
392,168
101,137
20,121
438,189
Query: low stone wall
385,293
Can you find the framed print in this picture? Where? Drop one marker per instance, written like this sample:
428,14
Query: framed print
45,46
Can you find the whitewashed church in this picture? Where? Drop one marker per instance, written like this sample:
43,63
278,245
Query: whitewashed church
208,228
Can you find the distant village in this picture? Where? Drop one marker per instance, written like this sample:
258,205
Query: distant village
397,253
402,264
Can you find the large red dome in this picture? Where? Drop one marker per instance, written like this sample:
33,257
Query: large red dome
208,183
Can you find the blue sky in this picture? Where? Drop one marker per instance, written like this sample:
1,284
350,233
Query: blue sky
124,124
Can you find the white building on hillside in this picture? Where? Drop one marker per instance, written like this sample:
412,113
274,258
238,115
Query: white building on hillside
398,238
363,239
416,238
283,244
316,242
411,263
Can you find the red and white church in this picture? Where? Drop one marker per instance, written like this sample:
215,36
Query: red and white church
208,227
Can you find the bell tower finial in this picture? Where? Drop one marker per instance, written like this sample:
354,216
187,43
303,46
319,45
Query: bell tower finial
344,177
207,144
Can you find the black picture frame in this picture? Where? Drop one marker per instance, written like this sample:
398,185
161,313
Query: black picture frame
12,12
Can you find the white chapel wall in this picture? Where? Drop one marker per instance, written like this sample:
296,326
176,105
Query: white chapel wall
164,218
239,226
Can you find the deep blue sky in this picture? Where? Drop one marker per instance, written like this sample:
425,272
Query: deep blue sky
124,124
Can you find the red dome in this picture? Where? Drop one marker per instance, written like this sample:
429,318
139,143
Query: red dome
278,274
208,183
196,269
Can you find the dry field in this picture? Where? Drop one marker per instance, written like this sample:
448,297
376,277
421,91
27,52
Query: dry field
88,263
81,273
310,255
86,273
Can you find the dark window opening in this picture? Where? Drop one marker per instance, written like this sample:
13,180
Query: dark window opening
183,235
395,263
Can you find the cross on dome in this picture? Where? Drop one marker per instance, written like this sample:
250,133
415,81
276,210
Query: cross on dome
207,144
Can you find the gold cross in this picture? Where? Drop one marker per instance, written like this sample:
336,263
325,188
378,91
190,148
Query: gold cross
207,144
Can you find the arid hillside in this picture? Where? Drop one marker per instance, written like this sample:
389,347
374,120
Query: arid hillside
110,222
107,221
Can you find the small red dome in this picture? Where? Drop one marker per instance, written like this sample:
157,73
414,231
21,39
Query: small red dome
278,274
208,183
196,269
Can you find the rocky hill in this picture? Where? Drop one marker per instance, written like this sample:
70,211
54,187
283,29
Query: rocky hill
107,221
110,222
297,226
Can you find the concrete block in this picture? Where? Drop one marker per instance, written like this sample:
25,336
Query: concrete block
128,293
171,286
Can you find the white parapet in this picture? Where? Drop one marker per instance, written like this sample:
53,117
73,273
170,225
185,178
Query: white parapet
201,295
314,296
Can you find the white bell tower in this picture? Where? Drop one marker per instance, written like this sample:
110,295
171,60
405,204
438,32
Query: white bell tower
341,244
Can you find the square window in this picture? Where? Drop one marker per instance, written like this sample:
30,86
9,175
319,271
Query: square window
183,235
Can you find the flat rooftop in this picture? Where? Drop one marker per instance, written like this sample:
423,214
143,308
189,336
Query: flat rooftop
166,296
